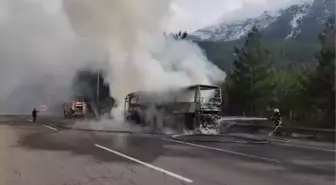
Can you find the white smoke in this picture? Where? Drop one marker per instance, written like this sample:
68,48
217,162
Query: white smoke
43,46
140,56
39,54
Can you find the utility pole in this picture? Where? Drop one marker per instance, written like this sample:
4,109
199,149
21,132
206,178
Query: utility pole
97,98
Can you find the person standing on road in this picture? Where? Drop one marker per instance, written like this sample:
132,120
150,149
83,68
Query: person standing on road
276,118
34,114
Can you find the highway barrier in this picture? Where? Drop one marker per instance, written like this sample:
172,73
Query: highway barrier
308,133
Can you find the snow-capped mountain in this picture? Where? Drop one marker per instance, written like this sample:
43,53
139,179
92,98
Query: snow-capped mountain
297,22
235,30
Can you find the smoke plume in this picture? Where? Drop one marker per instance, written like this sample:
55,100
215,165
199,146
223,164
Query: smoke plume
39,54
141,57
41,50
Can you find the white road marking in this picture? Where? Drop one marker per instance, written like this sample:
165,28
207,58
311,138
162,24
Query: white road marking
178,135
222,150
307,147
50,127
146,164
30,120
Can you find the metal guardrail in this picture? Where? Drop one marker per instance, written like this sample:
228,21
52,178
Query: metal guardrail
311,132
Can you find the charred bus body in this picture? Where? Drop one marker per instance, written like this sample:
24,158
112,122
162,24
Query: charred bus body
193,106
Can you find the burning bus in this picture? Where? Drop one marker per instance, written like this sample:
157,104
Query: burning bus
193,106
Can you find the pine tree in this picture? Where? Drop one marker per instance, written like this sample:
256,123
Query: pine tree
250,83
180,35
289,90
321,84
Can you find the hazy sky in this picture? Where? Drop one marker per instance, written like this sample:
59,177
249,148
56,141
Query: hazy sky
195,14
191,15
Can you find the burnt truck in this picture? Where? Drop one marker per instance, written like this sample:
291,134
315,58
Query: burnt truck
189,107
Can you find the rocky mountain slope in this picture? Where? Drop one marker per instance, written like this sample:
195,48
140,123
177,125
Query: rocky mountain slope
291,33
299,21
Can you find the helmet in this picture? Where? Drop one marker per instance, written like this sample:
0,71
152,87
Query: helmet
276,110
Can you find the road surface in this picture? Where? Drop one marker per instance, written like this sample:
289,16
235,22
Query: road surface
39,154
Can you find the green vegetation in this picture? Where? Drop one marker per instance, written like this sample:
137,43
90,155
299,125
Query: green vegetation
320,87
287,52
305,94
249,83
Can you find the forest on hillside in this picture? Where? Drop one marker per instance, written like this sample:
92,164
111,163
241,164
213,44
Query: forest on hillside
257,82
288,52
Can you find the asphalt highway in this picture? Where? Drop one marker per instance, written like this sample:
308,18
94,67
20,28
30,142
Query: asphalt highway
43,154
